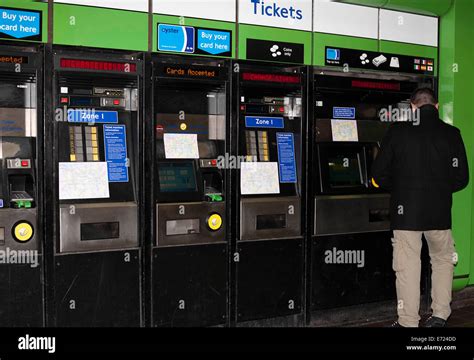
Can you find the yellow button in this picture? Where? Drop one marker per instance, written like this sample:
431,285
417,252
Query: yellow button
374,183
183,126
95,158
23,232
94,130
214,222
73,157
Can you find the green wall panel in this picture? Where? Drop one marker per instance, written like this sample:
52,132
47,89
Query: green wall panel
320,41
426,7
175,20
456,100
274,34
410,49
99,27
30,5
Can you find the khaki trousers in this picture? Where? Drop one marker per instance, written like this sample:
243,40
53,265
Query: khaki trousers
407,267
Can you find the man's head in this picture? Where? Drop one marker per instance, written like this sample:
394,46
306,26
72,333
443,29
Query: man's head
423,96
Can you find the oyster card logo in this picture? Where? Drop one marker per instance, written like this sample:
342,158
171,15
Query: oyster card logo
19,24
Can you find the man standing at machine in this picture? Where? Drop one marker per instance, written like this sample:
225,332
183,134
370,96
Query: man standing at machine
422,163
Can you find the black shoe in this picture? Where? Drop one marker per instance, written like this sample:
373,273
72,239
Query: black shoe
396,324
434,321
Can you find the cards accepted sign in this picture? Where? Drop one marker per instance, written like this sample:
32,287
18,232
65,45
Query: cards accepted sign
275,51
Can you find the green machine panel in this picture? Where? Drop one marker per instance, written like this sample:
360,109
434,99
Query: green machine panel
100,27
24,20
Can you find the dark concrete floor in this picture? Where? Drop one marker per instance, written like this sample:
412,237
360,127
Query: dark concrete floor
460,317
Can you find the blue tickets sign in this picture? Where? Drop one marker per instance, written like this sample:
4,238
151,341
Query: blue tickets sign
176,38
20,24
92,116
115,145
214,42
286,157
264,122
344,113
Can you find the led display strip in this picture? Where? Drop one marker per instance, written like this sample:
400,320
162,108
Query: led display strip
378,85
277,78
97,65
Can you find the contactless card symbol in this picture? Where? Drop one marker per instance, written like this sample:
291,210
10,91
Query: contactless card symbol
394,62
363,59
379,60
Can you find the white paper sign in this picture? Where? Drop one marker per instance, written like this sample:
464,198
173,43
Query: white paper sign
288,14
223,10
344,130
136,5
259,178
181,146
83,180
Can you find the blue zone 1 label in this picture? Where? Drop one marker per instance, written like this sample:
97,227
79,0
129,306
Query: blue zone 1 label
344,113
264,122
16,24
286,157
176,38
89,116
214,42
115,144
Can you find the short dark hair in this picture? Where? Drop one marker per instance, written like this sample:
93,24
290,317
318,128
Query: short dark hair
423,96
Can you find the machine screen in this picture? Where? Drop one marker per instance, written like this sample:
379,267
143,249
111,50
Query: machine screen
177,177
345,170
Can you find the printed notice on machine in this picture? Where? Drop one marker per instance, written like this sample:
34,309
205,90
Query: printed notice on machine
344,130
181,146
83,180
259,178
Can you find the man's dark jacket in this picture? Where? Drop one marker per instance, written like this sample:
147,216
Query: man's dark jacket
421,165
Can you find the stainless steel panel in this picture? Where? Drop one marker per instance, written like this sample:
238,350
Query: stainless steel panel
250,208
189,211
18,122
73,215
345,214
8,219
182,227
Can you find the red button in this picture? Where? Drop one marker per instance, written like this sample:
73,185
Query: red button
116,102
25,163
64,100
282,109
213,162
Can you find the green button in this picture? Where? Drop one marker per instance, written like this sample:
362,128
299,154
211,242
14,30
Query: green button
215,197
28,204
20,204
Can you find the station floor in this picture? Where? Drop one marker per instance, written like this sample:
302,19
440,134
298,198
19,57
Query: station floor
461,317
384,314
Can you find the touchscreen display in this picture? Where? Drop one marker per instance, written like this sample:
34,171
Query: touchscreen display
177,177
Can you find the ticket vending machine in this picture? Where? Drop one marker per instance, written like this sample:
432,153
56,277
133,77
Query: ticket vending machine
350,252
21,158
188,178
95,187
268,256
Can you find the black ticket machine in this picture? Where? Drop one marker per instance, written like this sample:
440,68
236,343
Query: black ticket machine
96,187
191,101
20,186
350,221
270,102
